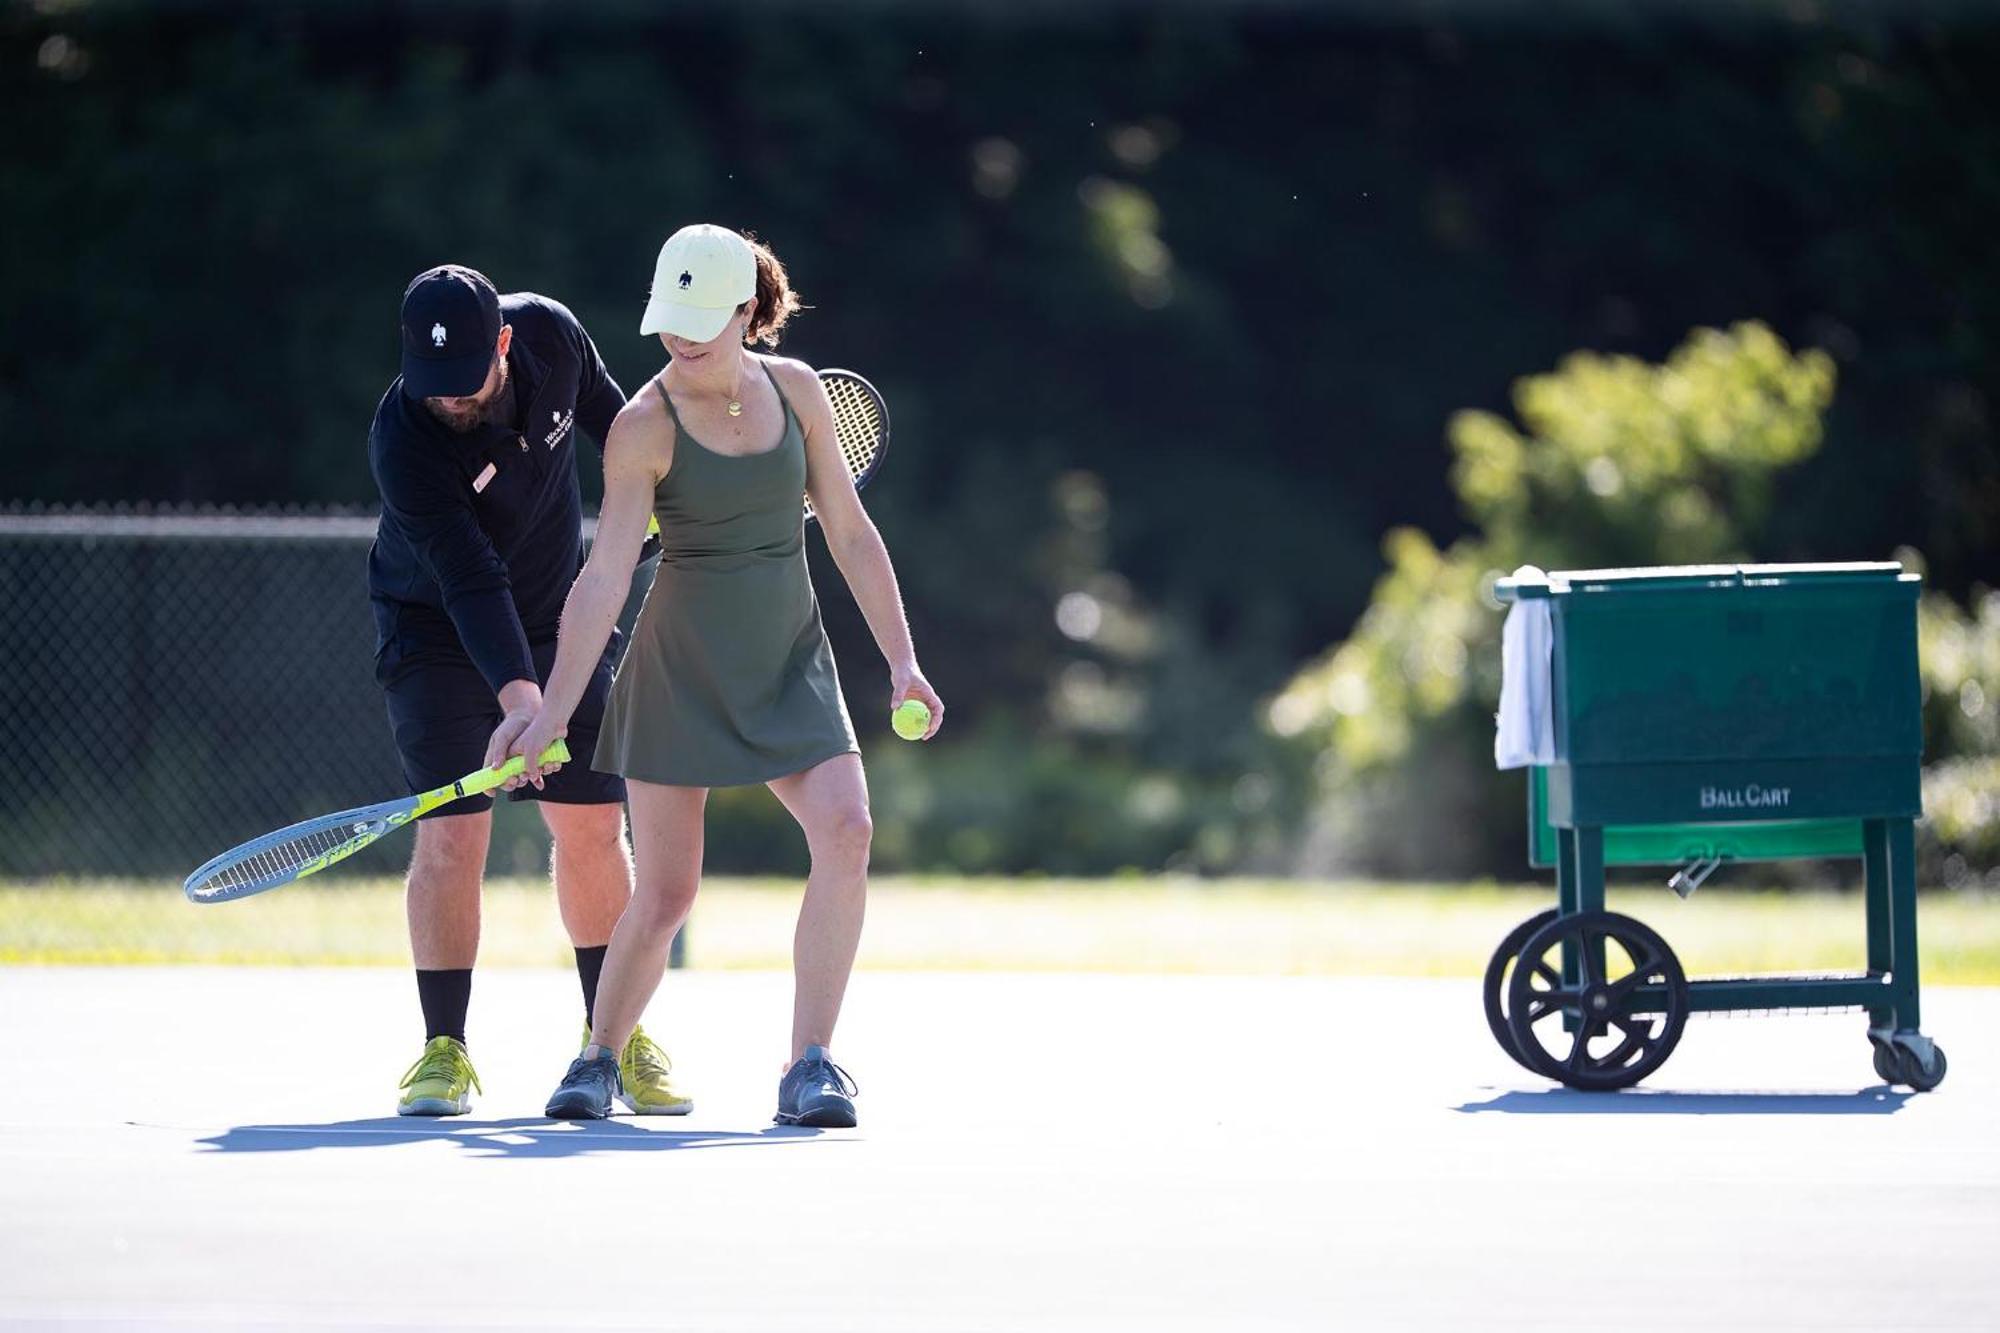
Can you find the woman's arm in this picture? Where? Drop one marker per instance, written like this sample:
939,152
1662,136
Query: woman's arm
631,473
855,543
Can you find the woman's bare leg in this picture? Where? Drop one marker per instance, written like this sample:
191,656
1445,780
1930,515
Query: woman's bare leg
666,854
830,801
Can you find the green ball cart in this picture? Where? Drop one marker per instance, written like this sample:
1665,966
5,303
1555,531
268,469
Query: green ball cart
1705,715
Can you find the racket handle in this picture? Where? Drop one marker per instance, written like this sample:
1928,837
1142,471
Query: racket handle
557,753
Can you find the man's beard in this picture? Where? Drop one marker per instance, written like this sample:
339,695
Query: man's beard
497,409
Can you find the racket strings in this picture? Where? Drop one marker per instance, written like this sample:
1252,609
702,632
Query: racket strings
274,864
857,424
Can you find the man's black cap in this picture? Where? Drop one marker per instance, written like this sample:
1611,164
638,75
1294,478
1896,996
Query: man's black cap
451,325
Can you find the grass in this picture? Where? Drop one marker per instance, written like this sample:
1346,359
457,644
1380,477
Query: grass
1182,926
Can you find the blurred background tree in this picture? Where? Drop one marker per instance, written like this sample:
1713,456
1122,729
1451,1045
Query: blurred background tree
1960,649
1172,303
1617,463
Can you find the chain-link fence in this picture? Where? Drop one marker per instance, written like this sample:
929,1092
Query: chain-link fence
172,684
175,684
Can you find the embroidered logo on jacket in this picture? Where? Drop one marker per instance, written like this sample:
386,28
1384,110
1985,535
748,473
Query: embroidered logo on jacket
563,422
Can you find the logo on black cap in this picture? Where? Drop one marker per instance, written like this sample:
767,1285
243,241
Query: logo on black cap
437,335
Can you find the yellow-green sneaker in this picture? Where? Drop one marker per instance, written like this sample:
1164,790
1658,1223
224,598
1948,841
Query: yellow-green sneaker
439,1082
643,1068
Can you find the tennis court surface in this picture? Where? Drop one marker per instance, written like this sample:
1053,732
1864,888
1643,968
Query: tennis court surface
216,1148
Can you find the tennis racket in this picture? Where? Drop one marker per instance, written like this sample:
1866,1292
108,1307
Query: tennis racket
306,849
860,425
860,428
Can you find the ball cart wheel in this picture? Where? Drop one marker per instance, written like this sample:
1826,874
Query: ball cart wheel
1498,971
1910,1070
1617,1022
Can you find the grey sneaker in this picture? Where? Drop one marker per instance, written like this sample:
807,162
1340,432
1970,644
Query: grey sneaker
587,1089
817,1092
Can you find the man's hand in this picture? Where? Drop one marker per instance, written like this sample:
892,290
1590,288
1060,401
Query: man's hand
520,700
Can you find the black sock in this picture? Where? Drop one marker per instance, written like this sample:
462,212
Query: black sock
445,995
590,962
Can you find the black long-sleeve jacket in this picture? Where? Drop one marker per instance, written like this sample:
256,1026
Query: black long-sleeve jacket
482,533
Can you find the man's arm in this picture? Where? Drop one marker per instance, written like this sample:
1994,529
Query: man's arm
599,400
443,531
598,397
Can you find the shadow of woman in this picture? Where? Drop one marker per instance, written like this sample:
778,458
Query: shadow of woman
525,1137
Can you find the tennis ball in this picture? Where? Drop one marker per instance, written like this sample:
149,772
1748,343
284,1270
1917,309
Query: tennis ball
911,719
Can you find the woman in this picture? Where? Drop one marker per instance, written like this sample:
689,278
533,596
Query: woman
729,679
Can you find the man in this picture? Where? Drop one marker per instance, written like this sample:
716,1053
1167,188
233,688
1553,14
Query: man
474,451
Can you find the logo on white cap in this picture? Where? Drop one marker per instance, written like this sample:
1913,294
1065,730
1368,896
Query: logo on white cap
687,279
437,335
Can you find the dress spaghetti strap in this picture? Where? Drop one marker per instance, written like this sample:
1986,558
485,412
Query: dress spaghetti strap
667,398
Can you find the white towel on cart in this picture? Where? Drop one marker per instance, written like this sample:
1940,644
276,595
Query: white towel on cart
1524,729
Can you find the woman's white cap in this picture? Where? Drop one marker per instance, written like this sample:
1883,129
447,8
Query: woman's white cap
704,274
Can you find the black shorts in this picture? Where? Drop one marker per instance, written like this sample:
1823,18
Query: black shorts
442,713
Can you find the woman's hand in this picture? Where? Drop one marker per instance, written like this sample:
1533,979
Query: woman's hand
526,734
909,683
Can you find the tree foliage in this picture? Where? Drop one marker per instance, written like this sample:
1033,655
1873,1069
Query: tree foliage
1621,462
1615,463
1226,269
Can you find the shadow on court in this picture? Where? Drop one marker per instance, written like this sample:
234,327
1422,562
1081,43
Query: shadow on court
1881,1100
521,1137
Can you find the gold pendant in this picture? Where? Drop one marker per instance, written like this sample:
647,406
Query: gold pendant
735,409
